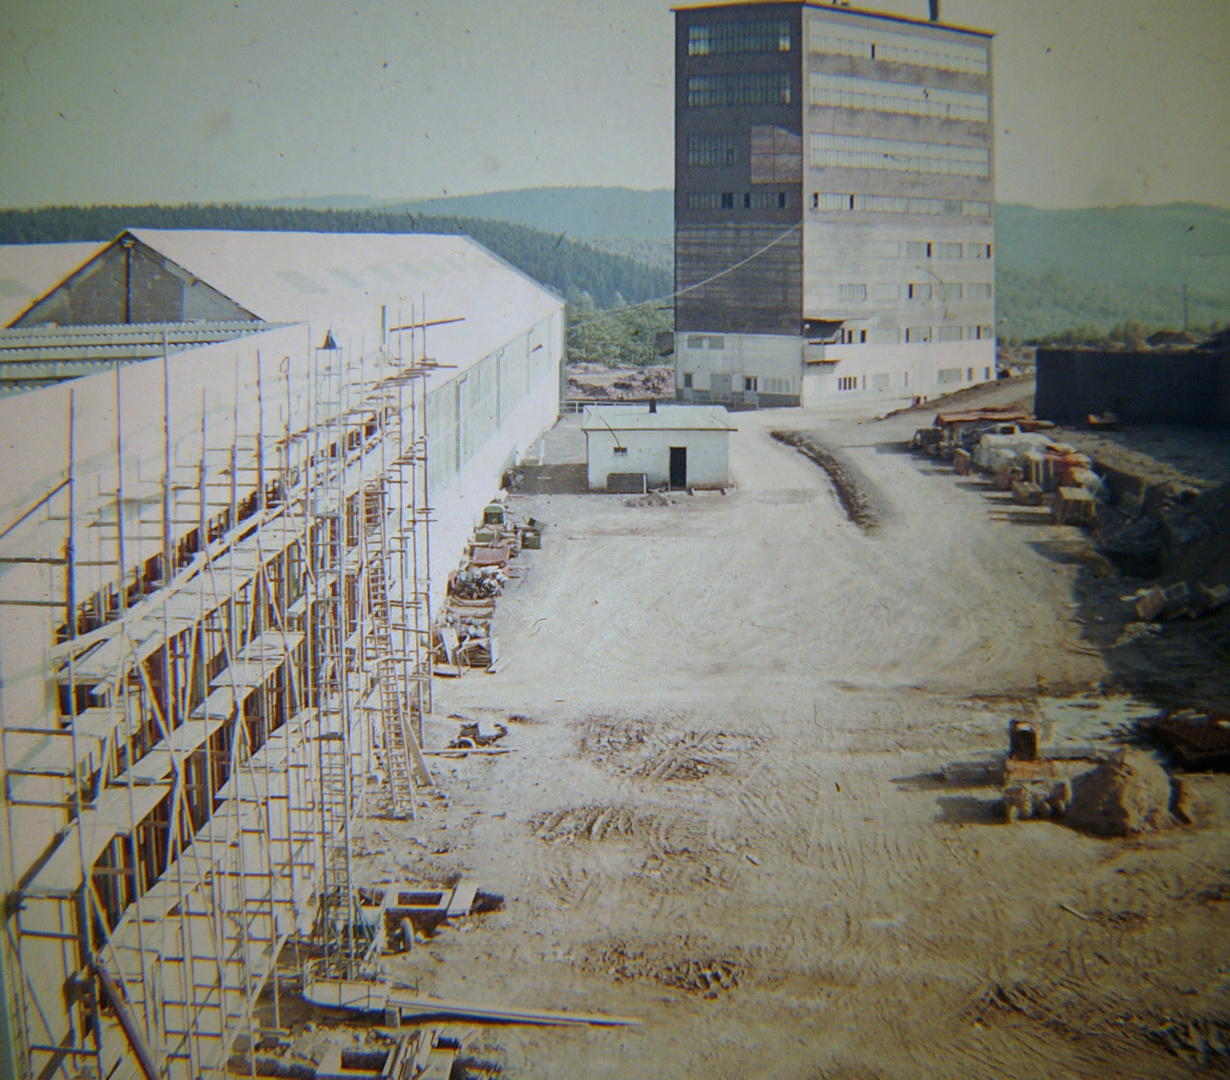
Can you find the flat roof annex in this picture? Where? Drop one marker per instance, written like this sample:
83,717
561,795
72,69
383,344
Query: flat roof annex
666,418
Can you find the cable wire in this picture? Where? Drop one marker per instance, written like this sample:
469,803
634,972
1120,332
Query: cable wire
700,284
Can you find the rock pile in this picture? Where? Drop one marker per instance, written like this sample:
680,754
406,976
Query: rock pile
1126,795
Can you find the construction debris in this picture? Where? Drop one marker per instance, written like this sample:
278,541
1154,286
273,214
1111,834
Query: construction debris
462,633
481,580
1126,795
349,1054
1195,739
597,382
400,1003
1122,795
963,430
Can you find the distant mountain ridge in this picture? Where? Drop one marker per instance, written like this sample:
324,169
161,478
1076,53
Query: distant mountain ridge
1058,271
1145,245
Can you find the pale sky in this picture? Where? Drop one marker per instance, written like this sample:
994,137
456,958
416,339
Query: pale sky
1098,102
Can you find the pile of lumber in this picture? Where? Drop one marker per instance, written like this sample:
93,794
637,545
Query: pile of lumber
462,632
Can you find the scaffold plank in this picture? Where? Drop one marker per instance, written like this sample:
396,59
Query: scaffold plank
62,874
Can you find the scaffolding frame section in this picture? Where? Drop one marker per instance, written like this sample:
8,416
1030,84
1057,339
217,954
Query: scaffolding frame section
207,772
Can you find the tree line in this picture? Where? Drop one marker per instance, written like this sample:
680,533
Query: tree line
567,266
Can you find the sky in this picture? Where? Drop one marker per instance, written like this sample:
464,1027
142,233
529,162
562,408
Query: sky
1097,102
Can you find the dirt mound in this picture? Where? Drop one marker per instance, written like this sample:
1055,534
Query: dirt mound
1208,558
853,494
1124,796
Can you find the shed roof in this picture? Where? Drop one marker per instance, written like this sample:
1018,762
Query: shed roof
297,276
665,418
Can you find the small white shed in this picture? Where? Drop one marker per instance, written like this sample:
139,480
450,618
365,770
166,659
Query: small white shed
685,446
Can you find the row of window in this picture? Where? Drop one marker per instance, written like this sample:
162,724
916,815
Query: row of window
918,334
899,204
741,88
776,154
899,155
848,92
728,200
879,336
946,290
760,35
874,43
866,43
925,249
707,150
752,384
880,382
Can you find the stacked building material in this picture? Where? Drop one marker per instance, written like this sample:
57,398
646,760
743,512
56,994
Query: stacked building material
462,636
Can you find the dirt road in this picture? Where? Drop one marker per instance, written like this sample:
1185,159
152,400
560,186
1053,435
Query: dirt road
724,815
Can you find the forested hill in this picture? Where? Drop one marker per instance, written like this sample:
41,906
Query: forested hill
569,267
581,212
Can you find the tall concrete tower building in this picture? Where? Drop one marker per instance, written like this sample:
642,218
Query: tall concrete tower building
834,192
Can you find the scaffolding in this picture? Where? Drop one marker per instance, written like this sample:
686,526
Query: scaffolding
207,774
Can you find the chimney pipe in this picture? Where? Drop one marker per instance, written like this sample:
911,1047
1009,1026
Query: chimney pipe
935,10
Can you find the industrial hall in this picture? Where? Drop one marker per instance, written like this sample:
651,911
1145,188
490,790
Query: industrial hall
239,467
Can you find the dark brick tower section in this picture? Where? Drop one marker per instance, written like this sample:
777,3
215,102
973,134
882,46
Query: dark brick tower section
739,168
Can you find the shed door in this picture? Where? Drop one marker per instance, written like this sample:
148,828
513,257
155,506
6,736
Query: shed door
679,466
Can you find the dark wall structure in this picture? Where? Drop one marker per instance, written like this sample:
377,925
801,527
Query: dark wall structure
739,168
128,282
1189,388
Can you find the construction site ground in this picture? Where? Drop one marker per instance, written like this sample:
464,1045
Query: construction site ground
725,814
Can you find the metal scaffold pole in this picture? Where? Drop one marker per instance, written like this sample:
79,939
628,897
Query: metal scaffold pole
252,631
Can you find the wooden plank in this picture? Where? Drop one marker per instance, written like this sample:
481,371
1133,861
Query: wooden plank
221,704
155,765
410,1004
61,874
462,900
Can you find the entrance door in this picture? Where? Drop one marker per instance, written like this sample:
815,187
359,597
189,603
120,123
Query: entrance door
679,466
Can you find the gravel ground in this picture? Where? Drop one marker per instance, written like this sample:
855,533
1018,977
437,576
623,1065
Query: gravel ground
725,814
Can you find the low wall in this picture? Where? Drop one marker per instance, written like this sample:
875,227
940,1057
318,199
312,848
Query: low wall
1186,388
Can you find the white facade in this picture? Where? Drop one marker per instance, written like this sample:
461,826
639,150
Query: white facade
676,445
753,369
740,369
836,373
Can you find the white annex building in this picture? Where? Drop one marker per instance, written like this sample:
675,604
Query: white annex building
680,446
237,469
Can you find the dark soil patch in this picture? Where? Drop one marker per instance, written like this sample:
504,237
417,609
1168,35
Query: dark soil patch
703,974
